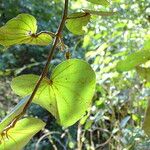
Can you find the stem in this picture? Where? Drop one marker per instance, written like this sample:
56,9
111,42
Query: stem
45,70
79,136
46,32
84,15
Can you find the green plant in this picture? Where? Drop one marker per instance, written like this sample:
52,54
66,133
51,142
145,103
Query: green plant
71,84
137,61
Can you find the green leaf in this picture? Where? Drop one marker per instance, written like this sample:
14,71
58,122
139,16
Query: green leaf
42,39
133,60
147,43
68,93
76,21
144,73
22,30
146,124
99,13
99,2
18,136
13,113
23,85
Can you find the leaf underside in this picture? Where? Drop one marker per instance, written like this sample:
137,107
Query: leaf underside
76,21
67,94
18,136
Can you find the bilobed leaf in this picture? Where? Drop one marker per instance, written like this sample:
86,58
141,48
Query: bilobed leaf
13,113
18,136
144,73
99,13
133,60
146,124
76,21
22,30
23,85
67,94
42,39
100,2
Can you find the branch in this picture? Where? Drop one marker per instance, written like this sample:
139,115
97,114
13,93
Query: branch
45,70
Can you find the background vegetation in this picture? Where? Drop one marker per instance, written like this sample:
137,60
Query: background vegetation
116,116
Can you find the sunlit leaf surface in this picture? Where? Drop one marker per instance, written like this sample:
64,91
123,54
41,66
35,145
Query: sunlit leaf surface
68,93
99,2
133,60
22,30
18,136
147,43
77,21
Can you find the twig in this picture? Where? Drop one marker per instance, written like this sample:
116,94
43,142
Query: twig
105,143
46,32
79,140
43,137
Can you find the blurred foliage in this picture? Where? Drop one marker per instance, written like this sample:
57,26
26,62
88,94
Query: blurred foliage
115,121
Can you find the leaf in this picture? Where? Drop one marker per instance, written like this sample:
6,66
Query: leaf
76,21
146,124
144,73
23,85
99,2
42,39
124,121
147,43
22,30
133,60
13,113
68,93
18,136
99,13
